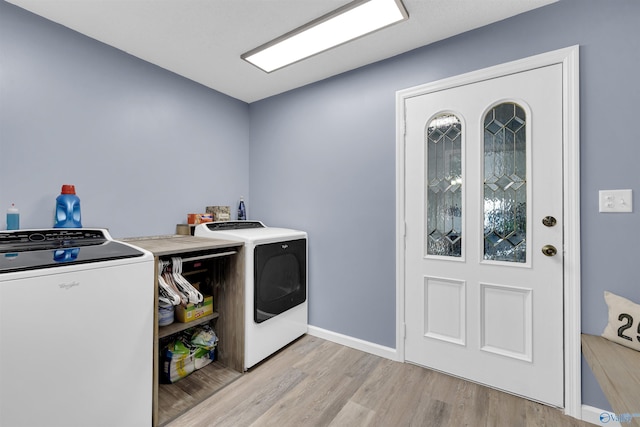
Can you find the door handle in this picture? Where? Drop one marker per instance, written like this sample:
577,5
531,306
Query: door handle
549,250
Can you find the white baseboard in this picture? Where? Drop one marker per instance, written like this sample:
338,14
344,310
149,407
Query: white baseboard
358,344
599,417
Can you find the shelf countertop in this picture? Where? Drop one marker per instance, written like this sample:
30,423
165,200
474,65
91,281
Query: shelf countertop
175,244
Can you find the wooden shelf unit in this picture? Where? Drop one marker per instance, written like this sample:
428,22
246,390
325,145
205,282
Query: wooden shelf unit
212,255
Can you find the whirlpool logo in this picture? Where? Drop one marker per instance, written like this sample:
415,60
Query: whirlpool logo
67,286
285,246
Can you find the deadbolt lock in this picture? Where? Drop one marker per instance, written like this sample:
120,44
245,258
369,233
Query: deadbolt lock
549,221
549,250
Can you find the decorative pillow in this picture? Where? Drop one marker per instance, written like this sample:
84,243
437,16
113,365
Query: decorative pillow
624,321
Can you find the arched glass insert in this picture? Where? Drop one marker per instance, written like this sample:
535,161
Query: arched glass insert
444,186
505,183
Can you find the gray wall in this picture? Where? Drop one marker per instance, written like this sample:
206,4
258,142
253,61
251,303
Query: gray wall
144,147
323,159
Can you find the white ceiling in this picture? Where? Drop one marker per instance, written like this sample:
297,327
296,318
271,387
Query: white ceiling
203,39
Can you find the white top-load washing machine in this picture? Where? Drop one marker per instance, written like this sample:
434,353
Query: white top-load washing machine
76,330
276,308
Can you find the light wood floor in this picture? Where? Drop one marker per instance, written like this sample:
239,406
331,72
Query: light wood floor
314,382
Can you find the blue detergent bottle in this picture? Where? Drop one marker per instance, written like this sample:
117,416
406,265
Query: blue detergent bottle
68,208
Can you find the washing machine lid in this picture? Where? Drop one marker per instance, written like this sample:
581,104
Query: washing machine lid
22,250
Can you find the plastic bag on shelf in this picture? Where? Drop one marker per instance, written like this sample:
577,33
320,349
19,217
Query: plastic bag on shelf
178,360
188,351
205,340
202,357
204,336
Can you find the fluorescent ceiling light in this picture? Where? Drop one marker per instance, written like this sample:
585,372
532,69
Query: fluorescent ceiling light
347,23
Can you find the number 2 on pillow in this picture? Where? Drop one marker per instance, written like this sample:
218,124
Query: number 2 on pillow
626,326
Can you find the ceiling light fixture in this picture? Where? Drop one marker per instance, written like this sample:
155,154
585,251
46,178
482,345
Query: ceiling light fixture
347,23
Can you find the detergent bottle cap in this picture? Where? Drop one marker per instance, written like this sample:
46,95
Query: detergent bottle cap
68,189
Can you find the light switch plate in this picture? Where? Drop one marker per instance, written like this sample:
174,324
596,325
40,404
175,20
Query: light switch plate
616,201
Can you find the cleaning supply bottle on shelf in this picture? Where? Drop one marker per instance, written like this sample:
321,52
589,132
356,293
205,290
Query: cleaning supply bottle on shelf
68,208
13,218
242,211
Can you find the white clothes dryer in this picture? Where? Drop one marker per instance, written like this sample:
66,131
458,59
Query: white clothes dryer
276,308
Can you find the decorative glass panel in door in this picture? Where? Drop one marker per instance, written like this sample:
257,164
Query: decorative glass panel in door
444,186
505,183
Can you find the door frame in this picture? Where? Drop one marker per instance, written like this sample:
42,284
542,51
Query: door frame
569,58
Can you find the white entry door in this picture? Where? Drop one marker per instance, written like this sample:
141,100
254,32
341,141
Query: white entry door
484,233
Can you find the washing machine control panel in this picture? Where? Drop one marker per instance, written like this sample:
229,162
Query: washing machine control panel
22,250
37,239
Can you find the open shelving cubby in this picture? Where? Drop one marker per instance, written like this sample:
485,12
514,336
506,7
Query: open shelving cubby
219,265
